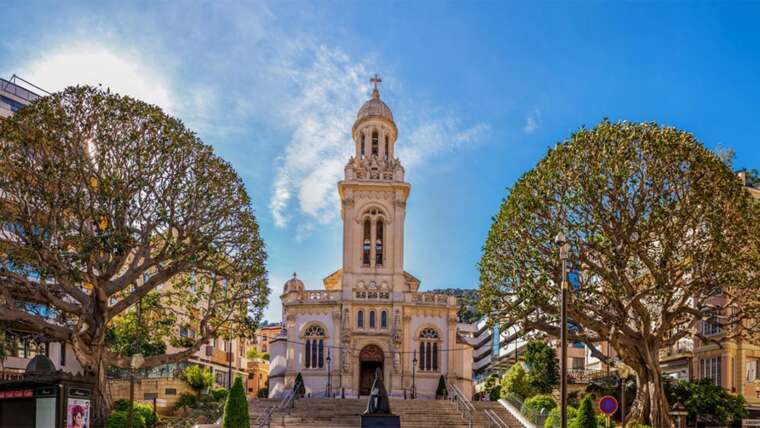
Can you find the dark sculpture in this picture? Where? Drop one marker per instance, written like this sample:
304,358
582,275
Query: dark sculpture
378,403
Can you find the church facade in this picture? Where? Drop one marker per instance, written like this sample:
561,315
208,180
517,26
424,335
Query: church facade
370,313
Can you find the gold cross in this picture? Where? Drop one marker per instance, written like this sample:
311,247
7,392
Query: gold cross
376,80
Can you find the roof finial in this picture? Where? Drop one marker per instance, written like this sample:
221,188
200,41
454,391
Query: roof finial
376,81
294,274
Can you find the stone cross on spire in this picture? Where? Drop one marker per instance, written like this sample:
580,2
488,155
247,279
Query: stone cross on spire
376,81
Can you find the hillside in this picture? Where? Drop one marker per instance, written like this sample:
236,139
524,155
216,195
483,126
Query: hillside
468,299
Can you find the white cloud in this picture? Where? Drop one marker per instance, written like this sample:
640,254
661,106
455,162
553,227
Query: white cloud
321,112
531,123
94,64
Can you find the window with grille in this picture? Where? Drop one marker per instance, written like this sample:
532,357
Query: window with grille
314,347
428,358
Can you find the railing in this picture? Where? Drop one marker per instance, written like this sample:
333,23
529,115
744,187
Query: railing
430,298
584,375
494,421
464,405
537,418
288,402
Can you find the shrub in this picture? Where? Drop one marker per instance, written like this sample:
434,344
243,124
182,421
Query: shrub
586,417
186,400
492,387
543,366
553,420
121,405
199,378
263,393
265,356
146,411
441,391
219,394
120,419
515,381
236,407
538,405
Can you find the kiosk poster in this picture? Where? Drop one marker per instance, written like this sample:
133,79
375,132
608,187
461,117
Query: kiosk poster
78,413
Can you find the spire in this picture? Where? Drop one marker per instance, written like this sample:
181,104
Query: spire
376,81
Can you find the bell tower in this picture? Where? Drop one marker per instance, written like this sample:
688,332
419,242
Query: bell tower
373,196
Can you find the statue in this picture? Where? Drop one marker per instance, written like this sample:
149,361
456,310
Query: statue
378,413
378,397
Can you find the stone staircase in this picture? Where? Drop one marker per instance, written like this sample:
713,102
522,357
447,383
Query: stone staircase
337,413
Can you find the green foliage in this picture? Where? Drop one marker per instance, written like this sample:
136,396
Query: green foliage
127,335
218,394
492,387
515,381
236,407
468,303
263,393
125,200
441,390
298,386
540,404
265,356
199,378
713,404
586,417
543,367
145,411
647,211
554,419
252,353
120,419
186,400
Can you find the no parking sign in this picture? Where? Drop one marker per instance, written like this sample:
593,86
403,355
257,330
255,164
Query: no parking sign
608,405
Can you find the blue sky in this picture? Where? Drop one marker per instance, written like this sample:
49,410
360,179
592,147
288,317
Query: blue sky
479,90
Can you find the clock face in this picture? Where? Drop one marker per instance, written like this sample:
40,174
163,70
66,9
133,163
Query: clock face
372,284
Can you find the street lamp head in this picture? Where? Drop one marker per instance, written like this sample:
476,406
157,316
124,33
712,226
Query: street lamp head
560,239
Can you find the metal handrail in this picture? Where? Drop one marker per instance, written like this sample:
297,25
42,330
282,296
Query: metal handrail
494,420
288,401
464,405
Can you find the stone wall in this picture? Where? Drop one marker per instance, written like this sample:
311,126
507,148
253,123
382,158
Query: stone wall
166,390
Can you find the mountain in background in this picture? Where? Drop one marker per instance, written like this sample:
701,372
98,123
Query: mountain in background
468,303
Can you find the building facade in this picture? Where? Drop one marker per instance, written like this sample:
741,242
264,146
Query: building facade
370,314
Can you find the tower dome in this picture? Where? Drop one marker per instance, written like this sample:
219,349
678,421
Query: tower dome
293,284
375,108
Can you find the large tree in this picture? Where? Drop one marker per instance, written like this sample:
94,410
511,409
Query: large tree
105,199
662,236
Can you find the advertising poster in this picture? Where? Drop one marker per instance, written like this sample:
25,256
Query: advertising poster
78,413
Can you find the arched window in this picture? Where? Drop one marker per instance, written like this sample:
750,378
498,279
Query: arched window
383,319
367,244
314,355
428,349
361,154
371,319
360,319
379,243
375,143
387,153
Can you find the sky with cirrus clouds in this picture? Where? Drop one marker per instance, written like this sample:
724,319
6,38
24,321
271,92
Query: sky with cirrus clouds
479,92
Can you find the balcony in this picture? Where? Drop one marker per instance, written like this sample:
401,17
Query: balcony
18,91
431,299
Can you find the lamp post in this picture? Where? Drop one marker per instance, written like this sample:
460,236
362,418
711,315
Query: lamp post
329,385
564,250
135,363
414,366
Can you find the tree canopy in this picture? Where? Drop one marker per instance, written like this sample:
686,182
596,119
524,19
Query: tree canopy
662,235
105,199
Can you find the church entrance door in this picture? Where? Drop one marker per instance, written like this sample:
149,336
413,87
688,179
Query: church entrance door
370,358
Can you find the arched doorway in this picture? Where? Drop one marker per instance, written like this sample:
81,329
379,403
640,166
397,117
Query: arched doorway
370,358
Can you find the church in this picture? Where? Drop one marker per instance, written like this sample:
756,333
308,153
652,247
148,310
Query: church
370,313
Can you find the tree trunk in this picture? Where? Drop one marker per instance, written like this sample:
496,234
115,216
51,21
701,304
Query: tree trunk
101,395
651,405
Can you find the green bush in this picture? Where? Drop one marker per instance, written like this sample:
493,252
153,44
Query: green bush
441,391
121,405
515,381
219,394
236,407
199,378
538,405
492,387
146,411
186,400
263,393
553,420
543,366
586,417
120,419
